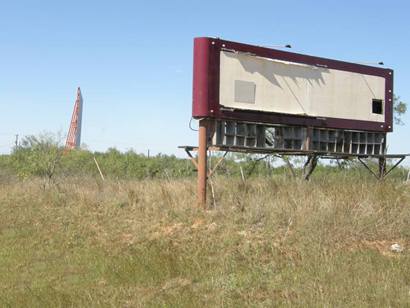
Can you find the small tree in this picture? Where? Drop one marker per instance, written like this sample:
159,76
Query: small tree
399,109
38,156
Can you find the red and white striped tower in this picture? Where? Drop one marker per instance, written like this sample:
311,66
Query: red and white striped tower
74,134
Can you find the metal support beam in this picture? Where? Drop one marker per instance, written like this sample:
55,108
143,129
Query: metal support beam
368,168
394,166
382,167
202,162
192,158
383,171
217,164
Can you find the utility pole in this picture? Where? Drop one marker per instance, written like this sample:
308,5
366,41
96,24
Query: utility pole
17,140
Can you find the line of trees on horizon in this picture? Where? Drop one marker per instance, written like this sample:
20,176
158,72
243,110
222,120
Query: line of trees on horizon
44,156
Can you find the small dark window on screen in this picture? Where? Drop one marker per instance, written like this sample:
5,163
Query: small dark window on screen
377,106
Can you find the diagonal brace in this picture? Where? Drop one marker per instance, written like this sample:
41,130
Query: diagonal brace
195,163
216,165
394,166
192,158
384,173
368,168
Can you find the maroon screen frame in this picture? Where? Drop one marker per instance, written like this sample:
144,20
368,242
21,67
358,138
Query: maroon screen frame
205,102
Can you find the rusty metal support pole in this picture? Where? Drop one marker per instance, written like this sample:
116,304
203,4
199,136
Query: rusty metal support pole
202,162
382,167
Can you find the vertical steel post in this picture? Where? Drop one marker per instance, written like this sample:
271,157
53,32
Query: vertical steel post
382,160
202,162
308,139
382,167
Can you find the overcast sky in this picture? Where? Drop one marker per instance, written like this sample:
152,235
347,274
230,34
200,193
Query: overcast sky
133,60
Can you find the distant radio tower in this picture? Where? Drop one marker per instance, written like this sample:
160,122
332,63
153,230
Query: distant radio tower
74,134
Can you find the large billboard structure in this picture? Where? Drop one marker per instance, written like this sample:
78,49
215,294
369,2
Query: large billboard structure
294,101
252,83
260,100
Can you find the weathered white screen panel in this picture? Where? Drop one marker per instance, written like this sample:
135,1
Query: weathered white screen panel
255,83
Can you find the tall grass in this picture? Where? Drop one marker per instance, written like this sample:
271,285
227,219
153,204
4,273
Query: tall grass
266,242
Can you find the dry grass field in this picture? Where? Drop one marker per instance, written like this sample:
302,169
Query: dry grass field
269,242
